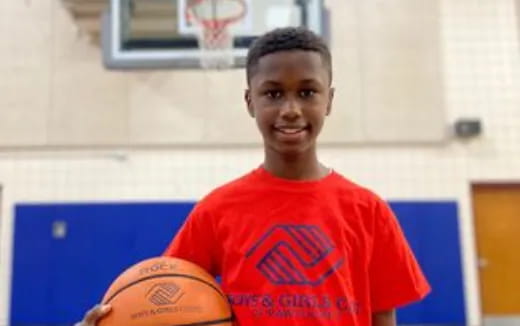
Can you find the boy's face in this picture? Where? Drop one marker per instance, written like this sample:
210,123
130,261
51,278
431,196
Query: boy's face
289,96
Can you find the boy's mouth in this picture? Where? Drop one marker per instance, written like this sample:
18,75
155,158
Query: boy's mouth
291,130
291,133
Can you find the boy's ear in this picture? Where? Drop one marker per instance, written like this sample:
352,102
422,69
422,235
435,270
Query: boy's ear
247,98
331,97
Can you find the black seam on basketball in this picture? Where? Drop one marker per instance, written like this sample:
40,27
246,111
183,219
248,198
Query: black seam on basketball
211,322
163,275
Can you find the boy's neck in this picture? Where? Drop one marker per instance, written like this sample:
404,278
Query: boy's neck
299,167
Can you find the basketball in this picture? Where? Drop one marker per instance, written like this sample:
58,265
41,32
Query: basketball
166,291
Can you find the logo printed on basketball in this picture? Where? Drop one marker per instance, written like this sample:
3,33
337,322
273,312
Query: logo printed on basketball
295,255
159,267
162,294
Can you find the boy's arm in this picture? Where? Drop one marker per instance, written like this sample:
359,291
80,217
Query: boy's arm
196,241
384,318
395,276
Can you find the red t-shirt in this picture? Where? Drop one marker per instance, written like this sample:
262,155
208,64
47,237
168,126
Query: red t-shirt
325,252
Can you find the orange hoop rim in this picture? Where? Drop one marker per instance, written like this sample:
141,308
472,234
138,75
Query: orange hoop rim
216,23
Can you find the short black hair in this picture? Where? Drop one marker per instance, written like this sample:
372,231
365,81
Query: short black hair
287,39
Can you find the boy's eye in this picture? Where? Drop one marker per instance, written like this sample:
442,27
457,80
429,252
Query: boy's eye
307,92
274,94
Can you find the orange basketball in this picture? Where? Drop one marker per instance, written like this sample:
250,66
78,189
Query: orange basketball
166,291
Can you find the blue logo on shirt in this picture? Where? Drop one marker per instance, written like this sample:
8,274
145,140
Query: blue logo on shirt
295,255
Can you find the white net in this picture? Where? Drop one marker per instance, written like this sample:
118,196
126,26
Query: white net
214,20
216,47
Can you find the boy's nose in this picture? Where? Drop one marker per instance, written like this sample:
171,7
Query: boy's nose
291,110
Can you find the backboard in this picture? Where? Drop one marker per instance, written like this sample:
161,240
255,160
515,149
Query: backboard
158,34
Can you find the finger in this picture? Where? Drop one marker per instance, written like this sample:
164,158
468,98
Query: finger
92,316
105,309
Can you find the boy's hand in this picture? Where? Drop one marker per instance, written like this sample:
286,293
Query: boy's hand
384,318
93,315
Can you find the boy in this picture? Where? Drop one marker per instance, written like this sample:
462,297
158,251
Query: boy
295,242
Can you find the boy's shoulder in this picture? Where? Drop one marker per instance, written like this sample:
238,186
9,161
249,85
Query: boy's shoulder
349,189
229,189
254,181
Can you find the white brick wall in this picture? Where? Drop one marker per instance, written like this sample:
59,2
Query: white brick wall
481,60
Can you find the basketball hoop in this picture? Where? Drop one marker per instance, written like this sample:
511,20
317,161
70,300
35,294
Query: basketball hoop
214,19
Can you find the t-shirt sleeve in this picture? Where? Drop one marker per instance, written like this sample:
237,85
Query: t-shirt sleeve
196,241
394,274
